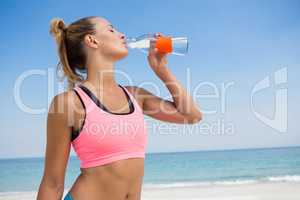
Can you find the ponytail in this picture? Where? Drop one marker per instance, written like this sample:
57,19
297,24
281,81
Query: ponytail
74,57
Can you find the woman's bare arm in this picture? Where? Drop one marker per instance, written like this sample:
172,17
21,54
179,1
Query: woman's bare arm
181,110
57,148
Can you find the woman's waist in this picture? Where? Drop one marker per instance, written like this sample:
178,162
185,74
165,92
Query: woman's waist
119,179
122,171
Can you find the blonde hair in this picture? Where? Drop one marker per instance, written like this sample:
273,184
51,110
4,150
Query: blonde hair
69,40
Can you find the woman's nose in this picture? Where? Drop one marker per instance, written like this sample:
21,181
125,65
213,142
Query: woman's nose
122,36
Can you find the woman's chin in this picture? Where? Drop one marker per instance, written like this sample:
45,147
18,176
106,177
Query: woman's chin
122,53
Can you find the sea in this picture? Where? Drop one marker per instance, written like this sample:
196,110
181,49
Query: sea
175,169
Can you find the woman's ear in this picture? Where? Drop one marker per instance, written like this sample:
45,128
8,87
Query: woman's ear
91,41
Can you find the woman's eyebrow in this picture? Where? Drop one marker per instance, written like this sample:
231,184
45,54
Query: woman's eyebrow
111,25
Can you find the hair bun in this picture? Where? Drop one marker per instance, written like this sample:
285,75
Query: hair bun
57,26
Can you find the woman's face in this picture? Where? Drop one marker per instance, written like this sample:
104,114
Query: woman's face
112,43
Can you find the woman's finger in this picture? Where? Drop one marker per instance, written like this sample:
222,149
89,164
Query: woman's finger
159,34
152,45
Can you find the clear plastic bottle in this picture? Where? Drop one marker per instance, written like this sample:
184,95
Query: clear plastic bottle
164,44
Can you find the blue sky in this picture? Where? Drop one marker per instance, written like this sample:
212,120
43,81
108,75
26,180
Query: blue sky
232,42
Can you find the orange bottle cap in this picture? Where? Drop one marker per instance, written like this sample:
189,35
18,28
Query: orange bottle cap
164,44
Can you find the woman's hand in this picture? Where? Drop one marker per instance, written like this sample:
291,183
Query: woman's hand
157,61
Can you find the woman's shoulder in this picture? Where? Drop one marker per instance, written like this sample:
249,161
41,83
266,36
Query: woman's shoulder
139,93
64,102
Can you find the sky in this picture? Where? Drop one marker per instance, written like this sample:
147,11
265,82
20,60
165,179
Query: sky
242,69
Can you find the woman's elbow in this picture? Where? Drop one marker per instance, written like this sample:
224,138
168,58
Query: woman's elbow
194,118
51,186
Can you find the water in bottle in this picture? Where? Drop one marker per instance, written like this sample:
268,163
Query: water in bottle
164,44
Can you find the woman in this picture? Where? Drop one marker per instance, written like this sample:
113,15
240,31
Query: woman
111,162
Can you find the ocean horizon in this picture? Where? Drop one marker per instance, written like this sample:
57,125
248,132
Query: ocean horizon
174,169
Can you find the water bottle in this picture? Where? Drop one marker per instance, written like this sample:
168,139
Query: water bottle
164,44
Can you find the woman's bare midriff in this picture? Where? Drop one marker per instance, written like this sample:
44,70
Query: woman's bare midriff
119,180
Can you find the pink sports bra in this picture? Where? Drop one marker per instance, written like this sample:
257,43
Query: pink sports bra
107,136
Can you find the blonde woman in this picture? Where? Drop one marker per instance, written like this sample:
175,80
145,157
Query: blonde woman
87,114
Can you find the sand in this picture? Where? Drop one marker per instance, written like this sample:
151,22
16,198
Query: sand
250,191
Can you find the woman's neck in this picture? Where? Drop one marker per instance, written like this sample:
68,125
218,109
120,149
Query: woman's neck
101,74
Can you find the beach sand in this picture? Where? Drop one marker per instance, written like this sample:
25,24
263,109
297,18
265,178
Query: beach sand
250,191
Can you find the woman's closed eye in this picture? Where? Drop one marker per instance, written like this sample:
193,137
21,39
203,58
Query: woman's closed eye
112,28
